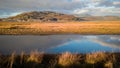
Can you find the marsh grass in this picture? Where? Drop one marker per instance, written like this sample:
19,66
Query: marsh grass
22,57
109,64
91,27
0,60
35,56
111,61
67,59
53,63
101,58
93,58
11,60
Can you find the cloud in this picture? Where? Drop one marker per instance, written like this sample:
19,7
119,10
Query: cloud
8,12
111,41
65,6
116,3
80,11
40,4
109,3
98,11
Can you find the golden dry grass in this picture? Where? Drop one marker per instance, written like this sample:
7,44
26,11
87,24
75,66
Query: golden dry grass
22,57
35,56
11,60
88,27
109,64
67,59
95,57
64,60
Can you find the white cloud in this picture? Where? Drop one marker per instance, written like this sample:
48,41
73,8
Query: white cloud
111,41
80,11
96,1
116,3
76,0
98,11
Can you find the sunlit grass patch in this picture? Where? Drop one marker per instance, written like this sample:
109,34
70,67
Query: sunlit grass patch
67,59
88,27
109,64
93,58
35,56
12,60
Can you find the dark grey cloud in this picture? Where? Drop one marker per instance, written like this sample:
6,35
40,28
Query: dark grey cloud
41,4
38,5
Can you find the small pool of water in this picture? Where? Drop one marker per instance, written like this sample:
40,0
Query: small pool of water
59,43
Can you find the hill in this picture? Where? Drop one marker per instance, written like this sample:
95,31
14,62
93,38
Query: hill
49,16
43,16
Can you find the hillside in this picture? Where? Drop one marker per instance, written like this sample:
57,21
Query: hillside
49,16
41,16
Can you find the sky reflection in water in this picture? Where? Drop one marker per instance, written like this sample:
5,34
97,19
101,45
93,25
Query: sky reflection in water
60,43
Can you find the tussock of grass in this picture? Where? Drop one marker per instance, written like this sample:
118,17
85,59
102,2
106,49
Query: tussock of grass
67,59
108,64
12,59
22,57
107,60
35,56
95,57
52,63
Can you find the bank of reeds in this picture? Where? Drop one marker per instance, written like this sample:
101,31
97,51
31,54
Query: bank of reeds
65,60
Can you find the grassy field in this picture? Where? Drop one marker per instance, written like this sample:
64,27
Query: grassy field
86,27
65,60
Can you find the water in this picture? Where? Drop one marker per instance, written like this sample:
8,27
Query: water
59,43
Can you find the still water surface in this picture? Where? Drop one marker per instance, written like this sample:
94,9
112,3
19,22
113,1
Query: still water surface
59,43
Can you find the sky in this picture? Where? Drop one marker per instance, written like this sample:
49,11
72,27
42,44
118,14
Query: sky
80,7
